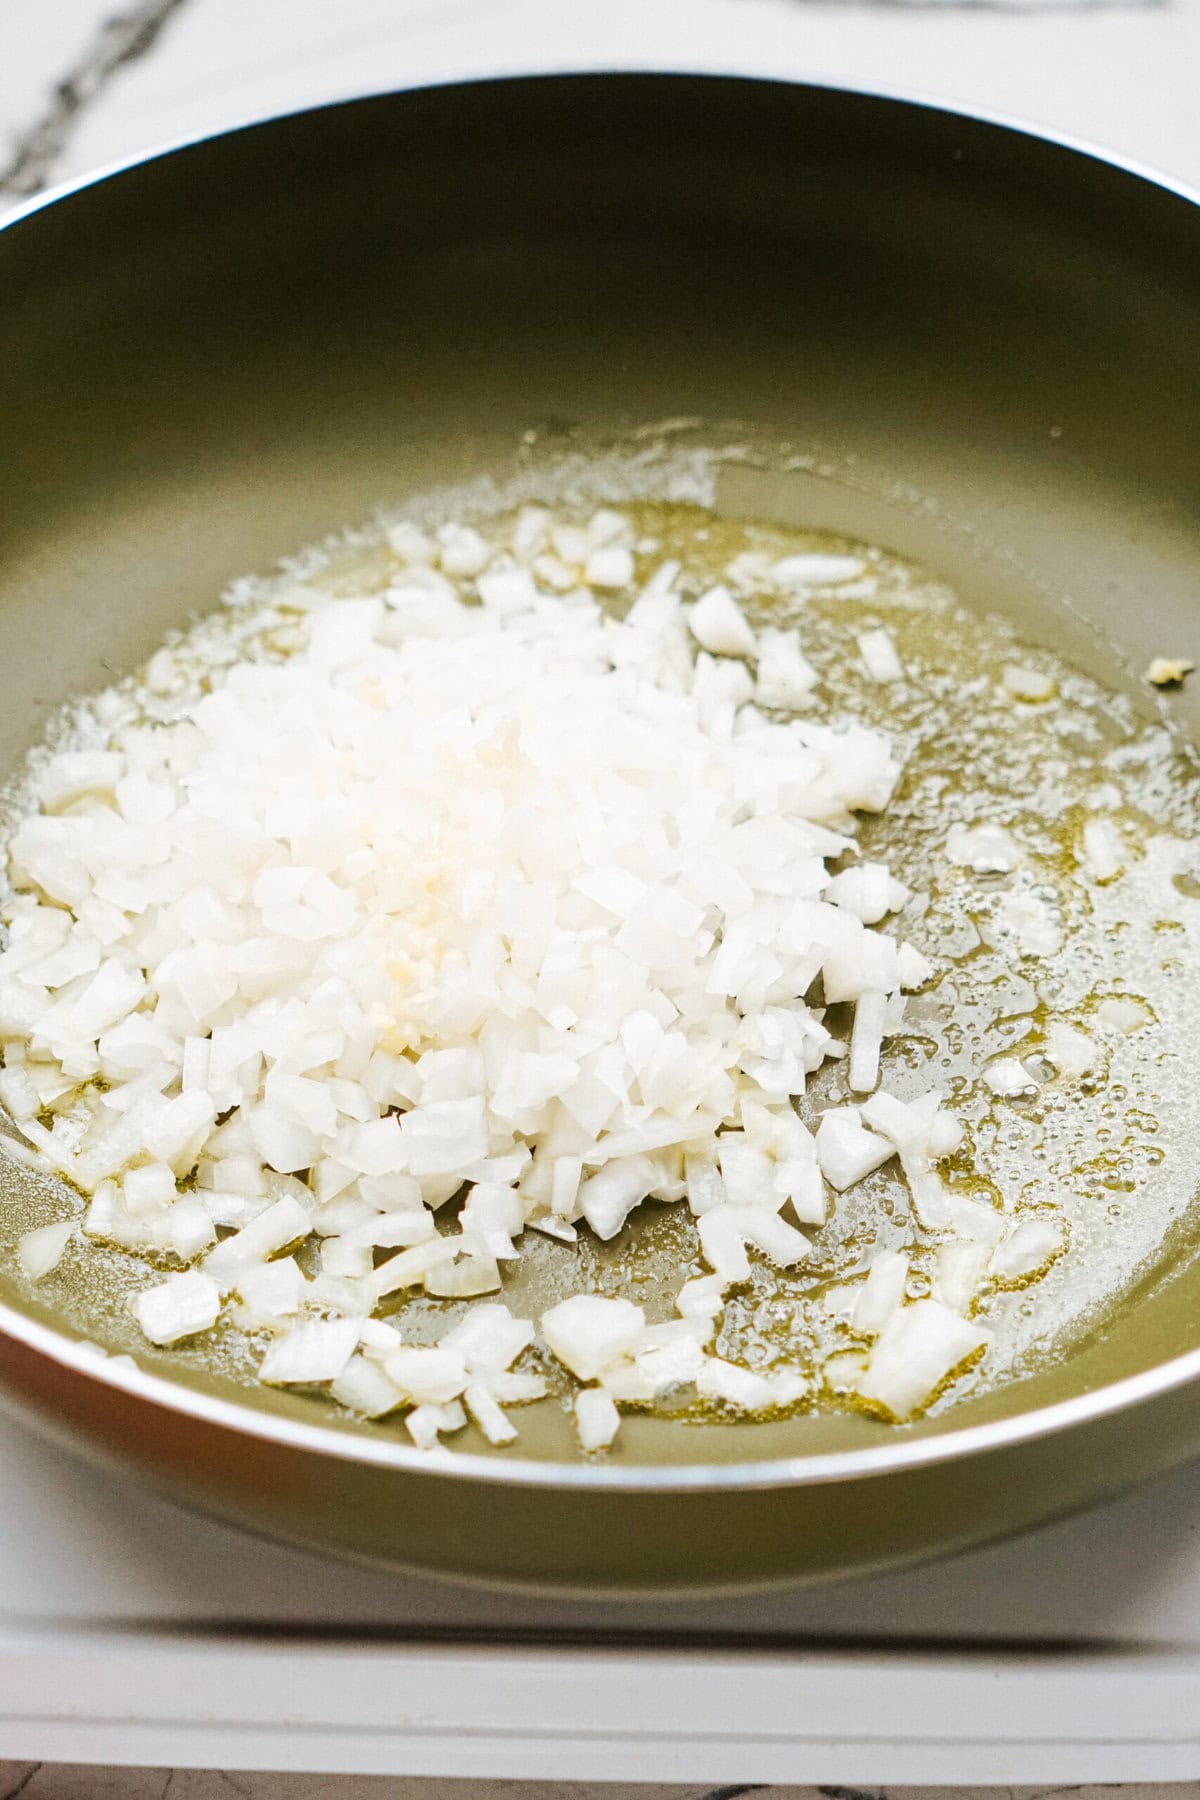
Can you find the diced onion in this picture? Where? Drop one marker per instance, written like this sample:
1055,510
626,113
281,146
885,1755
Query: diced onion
315,1351
882,1292
847,1151
596,1418
1029,1246
814,570
396,923
41,1251
588,1332
921,1345
880,656
179,1308
717,623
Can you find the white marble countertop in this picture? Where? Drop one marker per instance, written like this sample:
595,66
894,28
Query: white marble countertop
1121,73
85,82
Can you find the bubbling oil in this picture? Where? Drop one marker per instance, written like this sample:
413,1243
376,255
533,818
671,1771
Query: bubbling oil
1110,1148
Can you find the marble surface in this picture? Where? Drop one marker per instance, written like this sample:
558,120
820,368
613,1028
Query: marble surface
62,1781
85,82
41,1781
1118,72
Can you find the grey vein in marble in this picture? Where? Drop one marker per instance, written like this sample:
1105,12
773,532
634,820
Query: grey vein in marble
853,1793
119,40
24,1775
735,1793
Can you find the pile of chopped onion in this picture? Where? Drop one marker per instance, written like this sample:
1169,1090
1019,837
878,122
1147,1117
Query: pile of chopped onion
468,888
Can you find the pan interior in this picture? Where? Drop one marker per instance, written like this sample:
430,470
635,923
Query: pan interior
233,351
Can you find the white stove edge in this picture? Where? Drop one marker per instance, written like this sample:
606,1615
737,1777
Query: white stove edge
122,1641
588,1715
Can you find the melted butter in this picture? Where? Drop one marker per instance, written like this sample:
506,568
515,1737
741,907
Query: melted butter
1111,1151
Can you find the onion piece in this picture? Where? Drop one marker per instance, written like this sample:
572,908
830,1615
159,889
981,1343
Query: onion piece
1103,851
268,1293
426,1423
436,1373
917,1350
491,1418
987,849
596,1417
610,566
1071,1051
700,1298
880,657
41,1250
725,1232
784,678
178,1308
362,1387
311,1353
588,1333
814,569
958,1270
717,623
726,1381
882,1292
846,1150
1029,1247
1031,685
1007,1076
866,1040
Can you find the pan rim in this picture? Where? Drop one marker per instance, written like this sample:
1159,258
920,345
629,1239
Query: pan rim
830,1468
918,98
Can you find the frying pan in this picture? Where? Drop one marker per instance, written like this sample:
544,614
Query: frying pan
978,347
